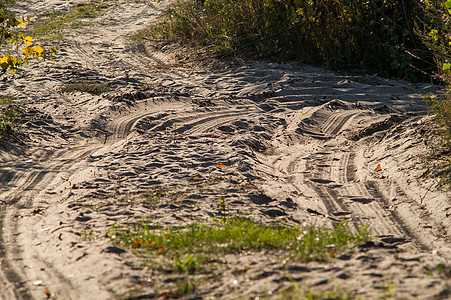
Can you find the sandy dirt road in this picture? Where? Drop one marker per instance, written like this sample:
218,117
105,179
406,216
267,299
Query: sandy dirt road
308,142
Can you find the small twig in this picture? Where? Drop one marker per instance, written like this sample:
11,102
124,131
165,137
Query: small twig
106,137
436,185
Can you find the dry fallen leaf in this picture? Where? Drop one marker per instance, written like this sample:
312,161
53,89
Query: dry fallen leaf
164,295
221,165
378,168
282,171
331,252
137,243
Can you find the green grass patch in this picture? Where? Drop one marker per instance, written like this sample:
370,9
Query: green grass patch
296,293
9,114
86,87
6,99
235,234
440,269
52,24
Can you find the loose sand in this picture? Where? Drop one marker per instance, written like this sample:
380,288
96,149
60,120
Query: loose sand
300,145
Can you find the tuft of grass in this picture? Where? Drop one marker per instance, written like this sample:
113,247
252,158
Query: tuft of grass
189,264
235,234
9,114
86,87
6,99
153,196
296,293
440,269
184,287
51,25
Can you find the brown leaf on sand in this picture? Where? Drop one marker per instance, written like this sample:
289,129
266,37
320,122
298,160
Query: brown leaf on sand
164,295
331,252
378,168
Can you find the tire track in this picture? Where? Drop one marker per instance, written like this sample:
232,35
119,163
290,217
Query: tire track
368,202
207,123
330,175
25,186
372,187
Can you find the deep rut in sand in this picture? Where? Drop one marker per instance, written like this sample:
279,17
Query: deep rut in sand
305,144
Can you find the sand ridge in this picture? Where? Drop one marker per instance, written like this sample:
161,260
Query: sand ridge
298,144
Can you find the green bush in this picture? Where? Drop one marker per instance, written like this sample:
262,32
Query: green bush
375,36
435,32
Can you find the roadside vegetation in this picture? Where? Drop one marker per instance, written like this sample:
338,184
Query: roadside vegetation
374,37
436,34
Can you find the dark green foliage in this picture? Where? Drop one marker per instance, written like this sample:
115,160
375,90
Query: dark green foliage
442,109
375,36
435,32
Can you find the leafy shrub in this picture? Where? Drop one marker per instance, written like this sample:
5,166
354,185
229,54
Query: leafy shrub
16,49
436,34
21,47
375,36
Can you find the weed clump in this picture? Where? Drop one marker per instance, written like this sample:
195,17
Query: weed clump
86,87
9,114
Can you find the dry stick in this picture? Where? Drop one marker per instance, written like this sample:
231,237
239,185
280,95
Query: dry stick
438,184
422,198
106,137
